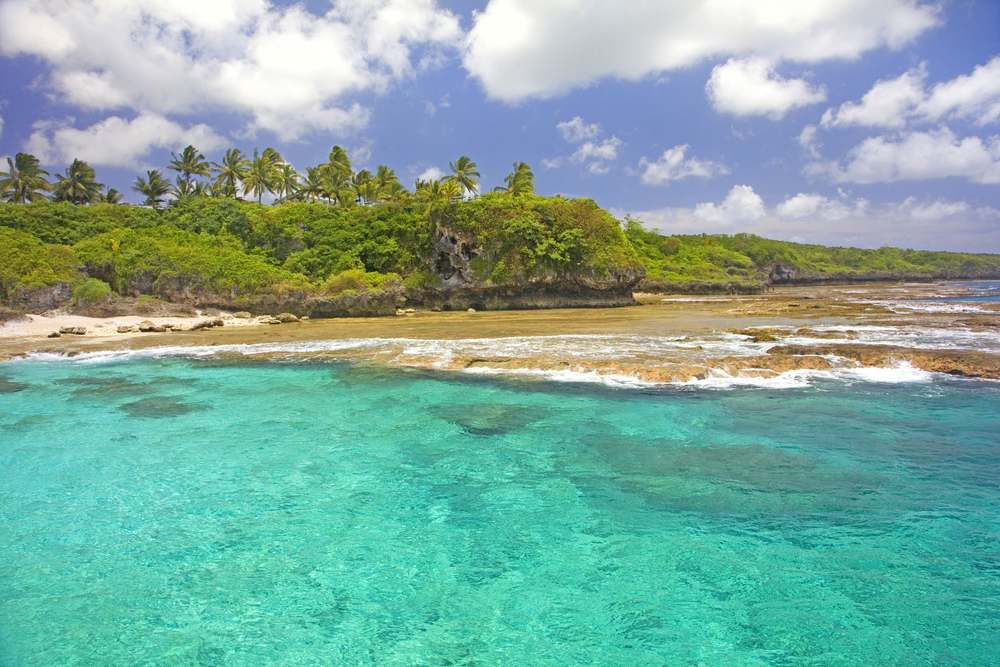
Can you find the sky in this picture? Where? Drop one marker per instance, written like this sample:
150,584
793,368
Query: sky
841,122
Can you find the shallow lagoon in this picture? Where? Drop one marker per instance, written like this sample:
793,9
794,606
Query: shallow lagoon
218,511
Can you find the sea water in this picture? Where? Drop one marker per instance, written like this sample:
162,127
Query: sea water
195,509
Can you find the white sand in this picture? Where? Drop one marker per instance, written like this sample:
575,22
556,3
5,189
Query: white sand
40,326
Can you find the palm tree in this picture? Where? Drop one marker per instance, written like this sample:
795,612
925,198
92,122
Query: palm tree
259,176
183,187
154,186
230,173
190,163
314,185
394,192
78,186
24,180
286,182
202,189
112,196
339,164
465,174
520,182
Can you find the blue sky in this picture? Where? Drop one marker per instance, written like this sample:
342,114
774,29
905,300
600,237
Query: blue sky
843,122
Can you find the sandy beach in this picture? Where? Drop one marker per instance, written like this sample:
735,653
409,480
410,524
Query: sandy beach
788,330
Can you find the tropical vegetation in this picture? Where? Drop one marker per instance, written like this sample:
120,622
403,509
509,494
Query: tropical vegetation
334,230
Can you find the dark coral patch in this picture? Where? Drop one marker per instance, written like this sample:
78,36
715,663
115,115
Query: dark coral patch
160,407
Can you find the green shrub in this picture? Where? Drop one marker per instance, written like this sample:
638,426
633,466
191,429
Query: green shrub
25,261
356,281
91,290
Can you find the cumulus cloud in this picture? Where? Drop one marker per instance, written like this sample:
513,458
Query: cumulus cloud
751,87
915,156
937,210
523,48
286,69
806,218
116,142
895,102
817,207
576,130
741,206
431,174
597,153
807,140
672,167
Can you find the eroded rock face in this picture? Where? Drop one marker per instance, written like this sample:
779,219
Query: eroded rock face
41,299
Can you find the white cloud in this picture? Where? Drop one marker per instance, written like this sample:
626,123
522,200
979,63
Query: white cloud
974,96
817,207
672,167
524,48
895,102
606,150
807,140
741,206
1,126
887,104
750,87
916,156
286,69
116,142
431,174
930,225
597,153
937,210
575,131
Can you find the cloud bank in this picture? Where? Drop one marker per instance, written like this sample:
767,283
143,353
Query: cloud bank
521,49
287,70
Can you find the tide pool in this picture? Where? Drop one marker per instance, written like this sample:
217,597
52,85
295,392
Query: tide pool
212,511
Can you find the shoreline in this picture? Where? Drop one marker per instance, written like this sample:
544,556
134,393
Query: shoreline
688,338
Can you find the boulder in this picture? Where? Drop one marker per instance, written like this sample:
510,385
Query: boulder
207,324
267,319
286,318
76,331
149,327
242,315
127,328
54,334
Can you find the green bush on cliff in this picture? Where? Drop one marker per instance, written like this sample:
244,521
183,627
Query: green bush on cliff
91,290
357,280
525,236
205,261
681,259
27,262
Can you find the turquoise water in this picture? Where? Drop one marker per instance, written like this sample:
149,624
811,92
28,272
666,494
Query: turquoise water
231,512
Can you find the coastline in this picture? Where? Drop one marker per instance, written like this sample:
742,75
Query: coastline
663,339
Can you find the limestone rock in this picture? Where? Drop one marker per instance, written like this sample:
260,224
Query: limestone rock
267,319
54,334
147,326
76,331
207,324
127,328
286,318
242,315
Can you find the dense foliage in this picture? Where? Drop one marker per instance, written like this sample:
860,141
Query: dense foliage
748,259
241,248
28,262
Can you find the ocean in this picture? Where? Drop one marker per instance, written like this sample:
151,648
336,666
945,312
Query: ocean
278,504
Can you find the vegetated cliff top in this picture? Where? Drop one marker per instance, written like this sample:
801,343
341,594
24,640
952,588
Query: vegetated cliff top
248,248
